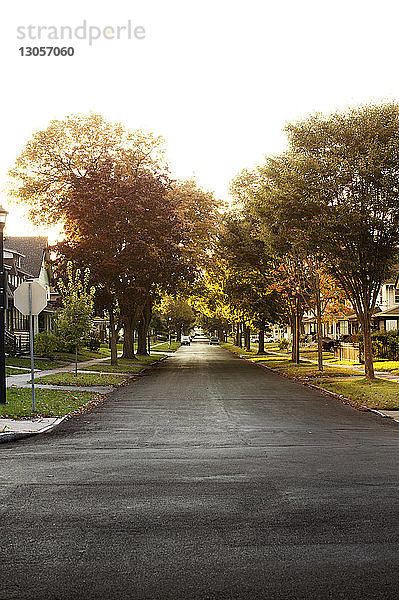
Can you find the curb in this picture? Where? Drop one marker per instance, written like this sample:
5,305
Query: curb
19,435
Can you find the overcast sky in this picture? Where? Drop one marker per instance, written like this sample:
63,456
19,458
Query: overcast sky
219,79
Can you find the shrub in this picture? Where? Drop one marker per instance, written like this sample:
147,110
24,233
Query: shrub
283,344
94,343
46,344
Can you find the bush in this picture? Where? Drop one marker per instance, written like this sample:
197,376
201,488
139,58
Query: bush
283,344
94,343
46,344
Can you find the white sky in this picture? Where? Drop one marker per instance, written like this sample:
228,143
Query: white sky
217,78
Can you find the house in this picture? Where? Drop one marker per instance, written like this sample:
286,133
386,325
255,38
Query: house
25,258
385,315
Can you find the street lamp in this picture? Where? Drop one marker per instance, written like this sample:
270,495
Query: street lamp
3,303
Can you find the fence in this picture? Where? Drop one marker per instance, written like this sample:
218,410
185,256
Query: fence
348,351
385,349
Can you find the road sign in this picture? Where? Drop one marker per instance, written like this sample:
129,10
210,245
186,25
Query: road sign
39,297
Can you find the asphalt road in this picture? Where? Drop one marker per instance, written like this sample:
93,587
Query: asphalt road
208,478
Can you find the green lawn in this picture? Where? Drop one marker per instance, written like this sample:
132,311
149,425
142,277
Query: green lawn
126,365
83,355
285,366
49,403
39,363
164,347
386,365
60,360
271,346
304,370
238,350
81,379
378,393
312,355
11,371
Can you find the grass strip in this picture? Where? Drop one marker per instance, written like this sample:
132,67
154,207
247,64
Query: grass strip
49,403
377,393
125,365
304,371
81,379
39,363
165,347
10,371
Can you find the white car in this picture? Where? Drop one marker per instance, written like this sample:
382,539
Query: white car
185,340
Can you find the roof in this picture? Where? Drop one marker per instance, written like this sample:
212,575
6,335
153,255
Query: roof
32,249
353,316
392,312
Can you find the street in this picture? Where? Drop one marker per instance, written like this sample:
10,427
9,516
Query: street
208,477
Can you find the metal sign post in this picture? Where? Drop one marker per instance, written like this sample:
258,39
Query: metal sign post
32,363
30,298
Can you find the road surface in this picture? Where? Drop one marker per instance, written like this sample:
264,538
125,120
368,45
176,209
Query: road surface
209,478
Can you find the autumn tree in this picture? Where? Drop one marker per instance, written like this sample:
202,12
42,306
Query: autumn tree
109,188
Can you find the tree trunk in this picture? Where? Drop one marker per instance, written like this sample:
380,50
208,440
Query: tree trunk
293,334
239,335
142,338
144,325
128,337
113,340
319,328
114,348
368,352
247,338
261,338
297,329
237,340
297,333
76,361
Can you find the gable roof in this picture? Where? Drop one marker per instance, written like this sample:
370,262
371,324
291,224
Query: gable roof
392,312
32,249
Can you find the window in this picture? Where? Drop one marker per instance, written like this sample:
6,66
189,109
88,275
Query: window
396,296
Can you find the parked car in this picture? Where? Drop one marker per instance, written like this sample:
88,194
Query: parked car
328,344
185,340
214,341
269,339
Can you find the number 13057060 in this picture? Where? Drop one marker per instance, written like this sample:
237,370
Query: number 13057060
46,51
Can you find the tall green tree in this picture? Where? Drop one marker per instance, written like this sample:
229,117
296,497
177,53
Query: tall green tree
350,211
74,320
177,314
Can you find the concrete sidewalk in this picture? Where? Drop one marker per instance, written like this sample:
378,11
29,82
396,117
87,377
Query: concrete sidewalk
12,429
23,379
